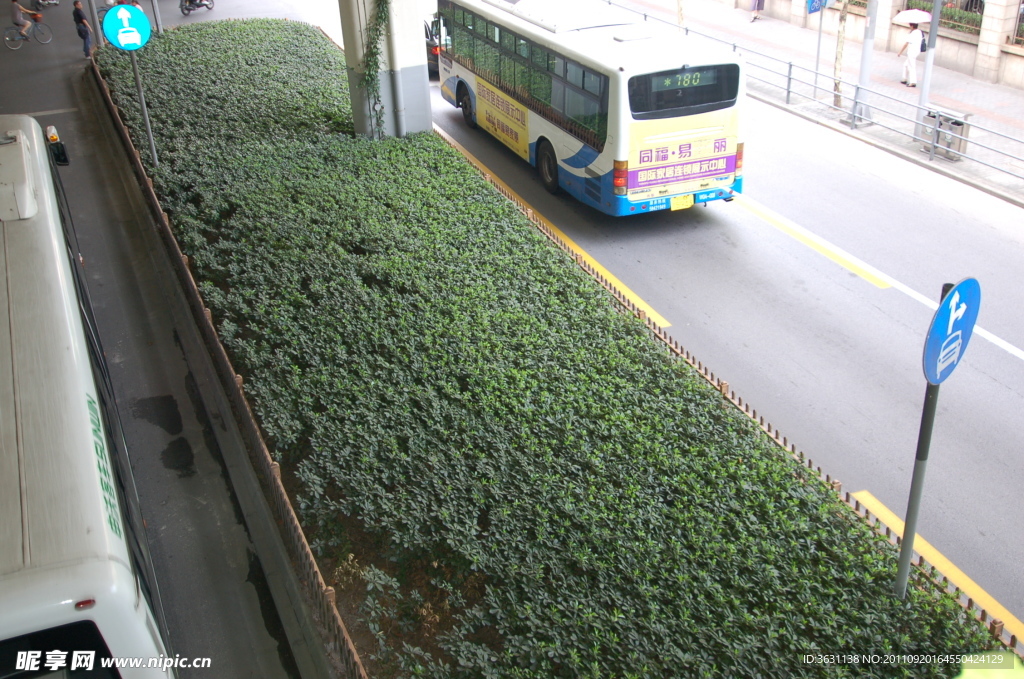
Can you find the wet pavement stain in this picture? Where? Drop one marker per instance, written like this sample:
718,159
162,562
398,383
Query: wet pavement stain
178,456
159,410
271,620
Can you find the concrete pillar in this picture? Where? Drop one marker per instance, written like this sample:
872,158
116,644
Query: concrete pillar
998,22
796,13
404,100
883,25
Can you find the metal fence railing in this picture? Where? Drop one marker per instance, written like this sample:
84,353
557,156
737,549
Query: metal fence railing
991,158
941,133
963,16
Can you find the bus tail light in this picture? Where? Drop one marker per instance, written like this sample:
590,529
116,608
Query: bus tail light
619,176
739,159
435,50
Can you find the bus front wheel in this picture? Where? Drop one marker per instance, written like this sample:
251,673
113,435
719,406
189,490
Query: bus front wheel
466,104
547,166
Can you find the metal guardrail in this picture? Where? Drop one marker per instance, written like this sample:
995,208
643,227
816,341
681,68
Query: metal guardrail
941,133
799,86
899,123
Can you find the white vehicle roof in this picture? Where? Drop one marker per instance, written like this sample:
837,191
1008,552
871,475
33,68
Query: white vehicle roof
54,509
604,34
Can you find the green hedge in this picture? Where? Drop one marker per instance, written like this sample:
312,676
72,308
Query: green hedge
533,486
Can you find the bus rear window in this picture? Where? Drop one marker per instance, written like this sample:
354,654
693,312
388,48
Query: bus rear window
56,651
684,91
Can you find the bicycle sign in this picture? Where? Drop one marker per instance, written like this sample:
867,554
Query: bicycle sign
126,27
951,330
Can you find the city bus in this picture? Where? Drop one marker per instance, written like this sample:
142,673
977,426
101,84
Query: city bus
627,116
77,589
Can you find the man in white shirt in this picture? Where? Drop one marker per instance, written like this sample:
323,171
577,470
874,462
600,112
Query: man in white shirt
913,48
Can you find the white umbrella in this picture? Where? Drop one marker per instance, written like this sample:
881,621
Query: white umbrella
913,16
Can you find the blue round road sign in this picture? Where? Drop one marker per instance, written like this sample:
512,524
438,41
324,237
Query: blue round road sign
951,330
126,27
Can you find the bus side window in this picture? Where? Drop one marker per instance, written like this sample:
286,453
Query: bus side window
557,95
508,70
541,86
523,78
540,57
523,48
575,74
486,58
556,65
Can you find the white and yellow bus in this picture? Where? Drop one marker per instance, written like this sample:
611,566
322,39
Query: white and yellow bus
77,589
627,116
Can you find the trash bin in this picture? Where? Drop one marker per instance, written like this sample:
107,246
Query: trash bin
950,139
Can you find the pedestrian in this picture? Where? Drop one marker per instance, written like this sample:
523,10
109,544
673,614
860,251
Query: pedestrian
83,28
756,7
912,45
18,20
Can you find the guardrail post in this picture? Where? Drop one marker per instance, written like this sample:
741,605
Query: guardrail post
859,111
789,81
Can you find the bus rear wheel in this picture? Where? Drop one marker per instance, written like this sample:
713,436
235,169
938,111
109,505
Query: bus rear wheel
466,104
547,166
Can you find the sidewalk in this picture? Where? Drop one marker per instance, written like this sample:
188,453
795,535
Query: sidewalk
769,45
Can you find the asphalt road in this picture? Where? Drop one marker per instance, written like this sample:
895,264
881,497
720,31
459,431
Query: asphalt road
754,290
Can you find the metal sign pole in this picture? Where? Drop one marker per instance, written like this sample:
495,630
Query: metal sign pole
924,440
923,102
95,18
156,15
860,112
145,111
817,55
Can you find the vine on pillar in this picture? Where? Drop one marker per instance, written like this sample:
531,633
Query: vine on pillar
372,62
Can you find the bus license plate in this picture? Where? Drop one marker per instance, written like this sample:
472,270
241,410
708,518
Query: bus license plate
682,202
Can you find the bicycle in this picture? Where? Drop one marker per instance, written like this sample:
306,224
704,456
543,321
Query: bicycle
36,29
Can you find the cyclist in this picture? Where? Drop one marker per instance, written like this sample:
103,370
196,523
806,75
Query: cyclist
19,21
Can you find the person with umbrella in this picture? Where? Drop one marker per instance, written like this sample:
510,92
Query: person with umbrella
913,43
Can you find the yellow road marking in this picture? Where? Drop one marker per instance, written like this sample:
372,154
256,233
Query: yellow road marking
816,243
607,275
945,566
